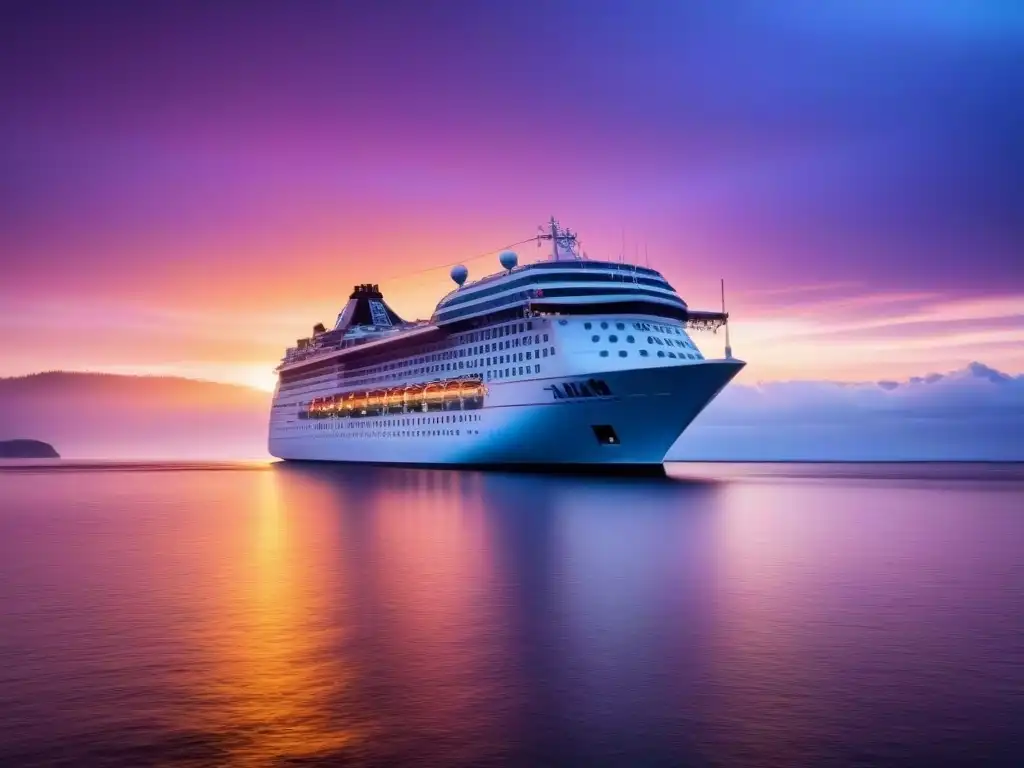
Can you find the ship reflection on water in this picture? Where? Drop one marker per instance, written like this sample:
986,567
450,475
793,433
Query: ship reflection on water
323,614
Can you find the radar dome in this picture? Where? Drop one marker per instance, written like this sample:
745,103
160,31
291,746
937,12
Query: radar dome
459,274
508,259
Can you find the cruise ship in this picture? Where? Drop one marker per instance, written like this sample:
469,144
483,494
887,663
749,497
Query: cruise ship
566,363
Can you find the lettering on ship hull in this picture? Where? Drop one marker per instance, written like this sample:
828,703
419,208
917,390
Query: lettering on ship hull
572,390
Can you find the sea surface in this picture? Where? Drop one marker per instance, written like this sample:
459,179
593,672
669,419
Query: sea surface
728,615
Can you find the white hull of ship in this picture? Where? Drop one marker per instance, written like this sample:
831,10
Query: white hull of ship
523,424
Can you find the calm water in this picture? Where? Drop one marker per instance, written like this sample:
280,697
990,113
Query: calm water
729,615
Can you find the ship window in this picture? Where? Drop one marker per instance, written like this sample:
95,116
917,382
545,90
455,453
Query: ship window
630,339
536,339
520,370
643,353
603,325
613,338
506,372
671,354
595,338
605,434
552,350
620,326
587,326
604,353
545,337
623,353
529,325
563,322
545,351
522,327
661,353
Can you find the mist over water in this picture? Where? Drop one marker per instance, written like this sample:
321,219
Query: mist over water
258,614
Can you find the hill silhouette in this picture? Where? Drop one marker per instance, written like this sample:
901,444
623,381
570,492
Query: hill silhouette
91,415
27,449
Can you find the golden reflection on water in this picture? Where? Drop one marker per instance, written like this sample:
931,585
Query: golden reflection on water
273,676
433,573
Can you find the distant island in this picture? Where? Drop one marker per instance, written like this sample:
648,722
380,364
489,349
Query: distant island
27,449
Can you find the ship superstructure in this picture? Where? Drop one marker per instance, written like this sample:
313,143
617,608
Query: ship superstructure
563,362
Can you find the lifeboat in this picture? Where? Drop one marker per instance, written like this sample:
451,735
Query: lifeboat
440,394
412,397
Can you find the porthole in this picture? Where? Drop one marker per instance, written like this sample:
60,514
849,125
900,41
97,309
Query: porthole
613,338
604,325
643,353
671,354
563,322
595,338
661,353
620,326
630,339
604,353
623,353
587,325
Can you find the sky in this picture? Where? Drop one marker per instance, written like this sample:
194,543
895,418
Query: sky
187,187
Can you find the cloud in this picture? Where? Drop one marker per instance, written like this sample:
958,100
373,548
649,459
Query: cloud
976,413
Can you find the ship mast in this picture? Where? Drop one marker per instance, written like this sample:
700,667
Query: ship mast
564,243
728,346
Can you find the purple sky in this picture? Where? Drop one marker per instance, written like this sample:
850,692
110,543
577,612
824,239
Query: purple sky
187,186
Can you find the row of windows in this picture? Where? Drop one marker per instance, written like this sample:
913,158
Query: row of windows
552,293
590,277
427,360
613,339
661,353
505,373
392,433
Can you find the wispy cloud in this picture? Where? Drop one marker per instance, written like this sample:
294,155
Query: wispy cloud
973,413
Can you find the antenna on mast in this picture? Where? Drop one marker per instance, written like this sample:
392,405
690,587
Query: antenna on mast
728,347
564,242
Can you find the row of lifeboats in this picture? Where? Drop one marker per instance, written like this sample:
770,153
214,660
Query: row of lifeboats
451,394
